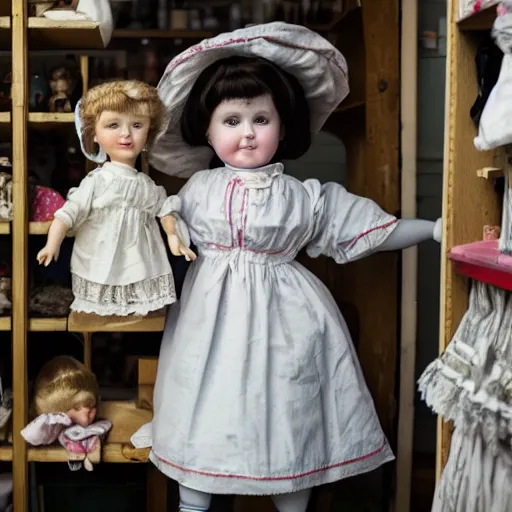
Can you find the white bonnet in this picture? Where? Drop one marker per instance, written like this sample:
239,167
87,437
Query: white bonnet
320,68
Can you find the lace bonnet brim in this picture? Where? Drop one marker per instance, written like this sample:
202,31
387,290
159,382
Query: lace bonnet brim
316,63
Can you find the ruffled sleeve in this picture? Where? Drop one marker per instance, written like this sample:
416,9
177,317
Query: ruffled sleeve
45,429
345,227
77,207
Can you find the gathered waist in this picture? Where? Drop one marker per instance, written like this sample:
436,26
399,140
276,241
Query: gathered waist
247,255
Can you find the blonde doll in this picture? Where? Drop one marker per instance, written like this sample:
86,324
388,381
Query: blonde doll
64,408
119,264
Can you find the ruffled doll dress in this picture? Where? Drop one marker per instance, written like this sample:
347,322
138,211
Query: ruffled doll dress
259,389
119,264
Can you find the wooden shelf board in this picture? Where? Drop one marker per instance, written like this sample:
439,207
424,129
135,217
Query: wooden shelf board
5,228
45,34
111,453
482,20
51,117
48,324
5,453
41,228
81,322
5,117
5,33
5,323
162,34
126,419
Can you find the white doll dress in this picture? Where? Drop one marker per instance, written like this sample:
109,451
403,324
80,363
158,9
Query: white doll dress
259,389
119,264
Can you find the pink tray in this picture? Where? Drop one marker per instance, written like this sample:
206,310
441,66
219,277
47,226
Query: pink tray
483,261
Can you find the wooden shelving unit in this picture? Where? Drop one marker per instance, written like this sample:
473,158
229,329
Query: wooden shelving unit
49,118
469,202
38,34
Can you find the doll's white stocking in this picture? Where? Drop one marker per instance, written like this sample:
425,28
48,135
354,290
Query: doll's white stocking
194,501
293,501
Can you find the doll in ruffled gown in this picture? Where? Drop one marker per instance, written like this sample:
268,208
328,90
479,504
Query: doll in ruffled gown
259,390
119,264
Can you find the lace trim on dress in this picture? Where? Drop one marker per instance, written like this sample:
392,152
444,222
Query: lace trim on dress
137,298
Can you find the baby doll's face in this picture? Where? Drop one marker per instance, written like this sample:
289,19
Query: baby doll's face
122,136
81,415
245,133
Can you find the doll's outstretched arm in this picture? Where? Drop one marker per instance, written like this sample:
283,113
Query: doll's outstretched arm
175,244
409,232
56,235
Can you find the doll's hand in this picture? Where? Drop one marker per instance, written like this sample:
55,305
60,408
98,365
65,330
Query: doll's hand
438,230
178,249
47,254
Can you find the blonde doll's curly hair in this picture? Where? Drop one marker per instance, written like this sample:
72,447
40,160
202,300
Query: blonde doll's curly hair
122,96
64,384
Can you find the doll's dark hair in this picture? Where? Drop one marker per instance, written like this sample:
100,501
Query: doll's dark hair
246,78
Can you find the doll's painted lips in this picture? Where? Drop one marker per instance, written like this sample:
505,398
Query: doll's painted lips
126,145
248,147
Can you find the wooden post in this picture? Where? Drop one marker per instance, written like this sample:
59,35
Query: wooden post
409,296
377,285
19,95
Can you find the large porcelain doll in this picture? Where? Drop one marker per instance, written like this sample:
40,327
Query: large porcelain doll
259,389
119,264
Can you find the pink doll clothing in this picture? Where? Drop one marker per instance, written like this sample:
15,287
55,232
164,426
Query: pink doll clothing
80,441
259,388
46,203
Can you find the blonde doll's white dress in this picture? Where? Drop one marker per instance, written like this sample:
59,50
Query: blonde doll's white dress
119,264
259,389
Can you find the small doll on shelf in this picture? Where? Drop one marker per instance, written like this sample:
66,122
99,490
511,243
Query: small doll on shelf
66,397
259,389
119,264
61,84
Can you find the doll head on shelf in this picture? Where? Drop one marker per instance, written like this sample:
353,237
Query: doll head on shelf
64,385
249,110
119,120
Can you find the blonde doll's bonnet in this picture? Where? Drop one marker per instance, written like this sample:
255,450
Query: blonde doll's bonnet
317,64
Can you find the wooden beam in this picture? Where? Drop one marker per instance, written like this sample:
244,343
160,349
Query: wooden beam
409,295
19,95
377,283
